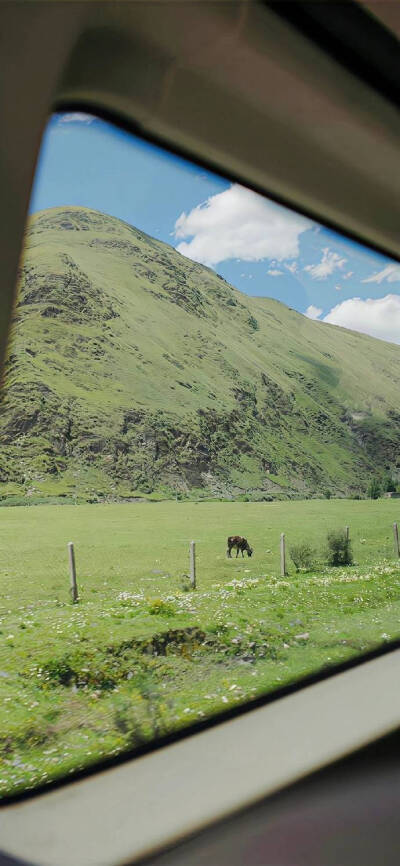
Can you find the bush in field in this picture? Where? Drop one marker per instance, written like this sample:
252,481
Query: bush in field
302,555
339,548
374,489
159,607
388,483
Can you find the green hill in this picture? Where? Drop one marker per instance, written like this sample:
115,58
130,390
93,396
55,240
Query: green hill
134,370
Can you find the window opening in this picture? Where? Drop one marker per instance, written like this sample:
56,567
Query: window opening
201,400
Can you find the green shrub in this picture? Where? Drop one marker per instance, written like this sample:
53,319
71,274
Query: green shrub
388,483
339,548
253,323
159,607
374,489
302,555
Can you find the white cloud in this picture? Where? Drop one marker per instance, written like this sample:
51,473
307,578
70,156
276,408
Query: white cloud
238,223
379,317
338,288
329,263
391,273
313,312
274,272
348,275
292,267
76,117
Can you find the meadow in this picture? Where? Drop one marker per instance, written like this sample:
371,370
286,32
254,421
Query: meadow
141,654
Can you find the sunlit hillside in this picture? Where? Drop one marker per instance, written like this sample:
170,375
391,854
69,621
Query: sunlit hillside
134,371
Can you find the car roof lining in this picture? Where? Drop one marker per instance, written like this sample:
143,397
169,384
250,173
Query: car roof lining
234,85
230,84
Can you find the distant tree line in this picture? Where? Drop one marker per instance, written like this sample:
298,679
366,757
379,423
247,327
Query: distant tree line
381,484
378,485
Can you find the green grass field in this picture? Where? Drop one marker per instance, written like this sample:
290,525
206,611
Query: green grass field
139,655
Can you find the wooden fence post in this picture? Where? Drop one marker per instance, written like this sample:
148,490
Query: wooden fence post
283,555
72,572
193,564
396,539
347,531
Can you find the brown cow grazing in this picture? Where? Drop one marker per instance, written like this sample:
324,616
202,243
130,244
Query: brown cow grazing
240,544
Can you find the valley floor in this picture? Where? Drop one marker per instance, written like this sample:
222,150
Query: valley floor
140,655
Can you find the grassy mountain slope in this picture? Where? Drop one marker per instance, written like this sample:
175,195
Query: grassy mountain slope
133,369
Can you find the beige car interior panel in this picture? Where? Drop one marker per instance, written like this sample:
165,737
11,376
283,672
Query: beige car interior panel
124,813
235,86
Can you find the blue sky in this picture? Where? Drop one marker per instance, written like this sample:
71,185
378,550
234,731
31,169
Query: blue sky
258,246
